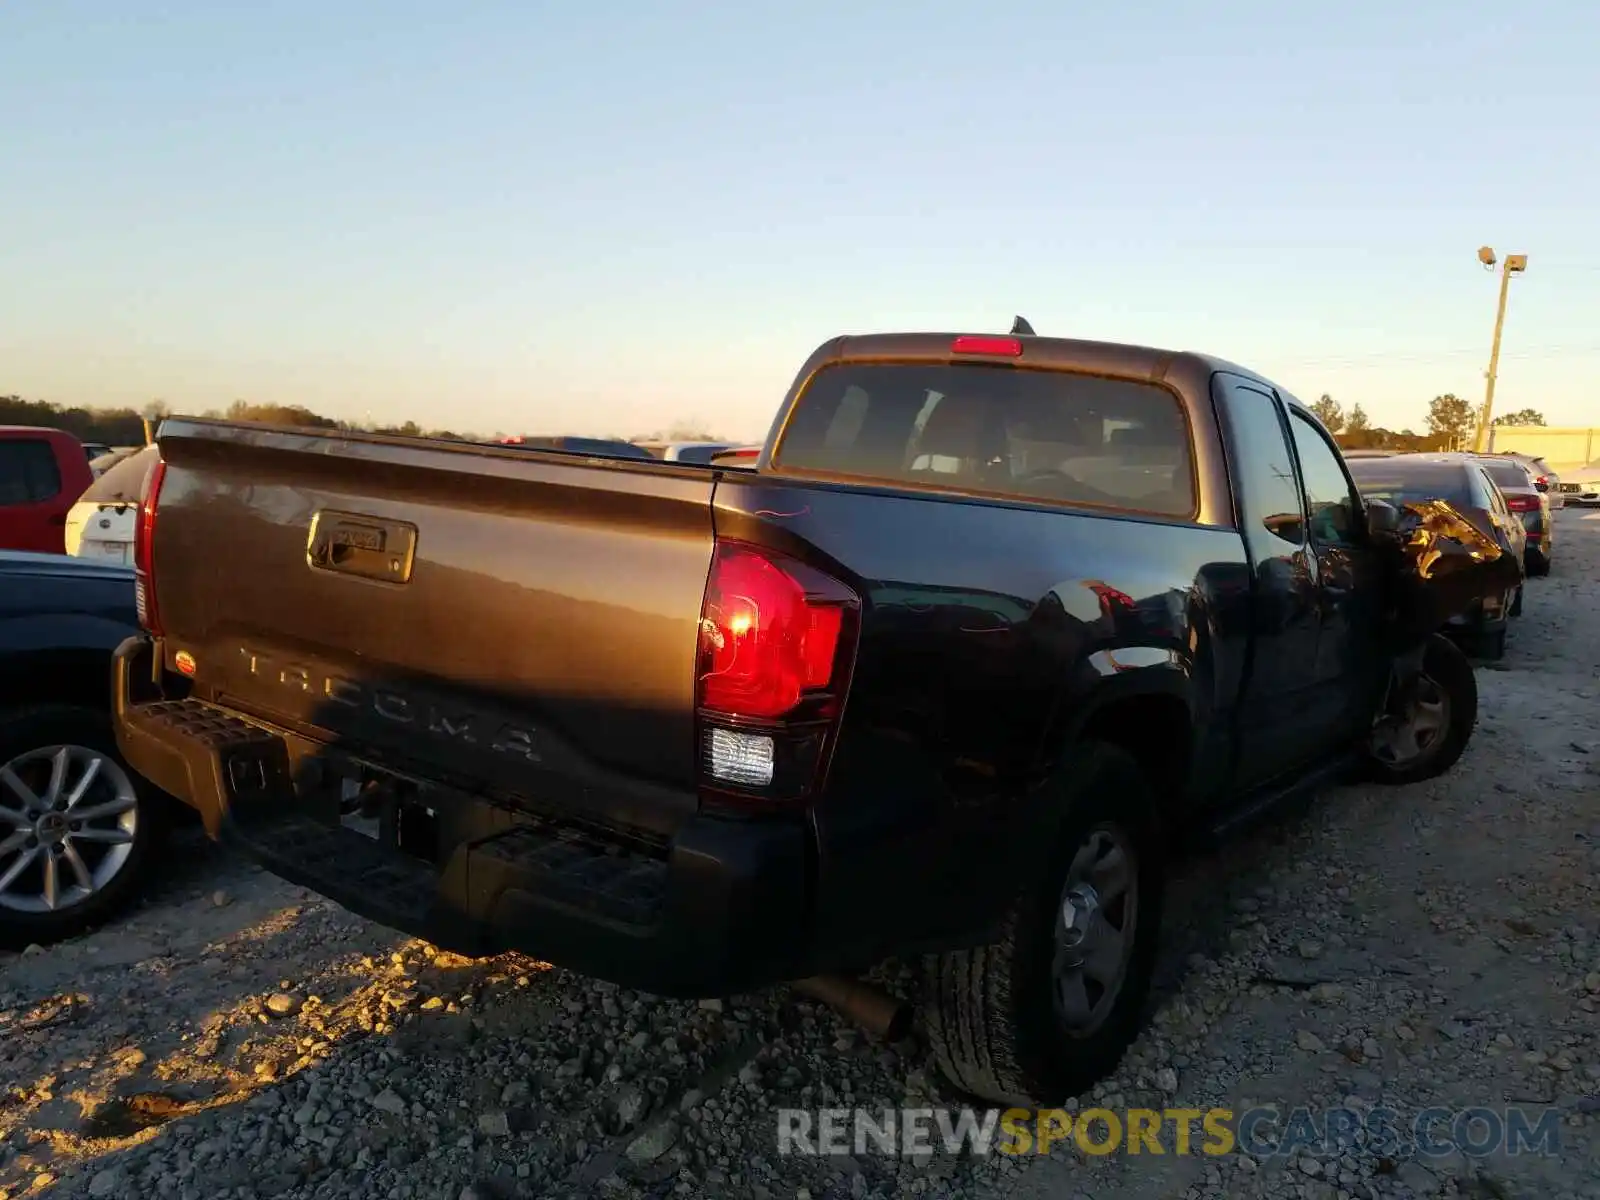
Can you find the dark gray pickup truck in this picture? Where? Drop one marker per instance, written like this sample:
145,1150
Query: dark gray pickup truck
991,621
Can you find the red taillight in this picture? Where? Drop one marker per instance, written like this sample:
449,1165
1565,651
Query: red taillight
1000,347
764,640
1522,503
144,563
777,639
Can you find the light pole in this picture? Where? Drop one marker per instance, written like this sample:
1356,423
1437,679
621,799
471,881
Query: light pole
1515,264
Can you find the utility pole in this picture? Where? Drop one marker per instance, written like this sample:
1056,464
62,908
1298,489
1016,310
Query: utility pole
1515,264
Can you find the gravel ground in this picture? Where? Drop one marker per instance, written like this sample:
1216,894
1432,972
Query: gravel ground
1434,945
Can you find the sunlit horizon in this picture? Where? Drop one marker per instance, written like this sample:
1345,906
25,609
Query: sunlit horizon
491,218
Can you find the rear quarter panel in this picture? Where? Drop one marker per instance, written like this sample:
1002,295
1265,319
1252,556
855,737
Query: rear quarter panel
988,630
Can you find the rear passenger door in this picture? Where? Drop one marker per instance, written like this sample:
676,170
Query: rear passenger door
1280,713
1348,662
33,503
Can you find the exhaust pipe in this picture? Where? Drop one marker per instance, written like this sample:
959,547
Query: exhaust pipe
873,1009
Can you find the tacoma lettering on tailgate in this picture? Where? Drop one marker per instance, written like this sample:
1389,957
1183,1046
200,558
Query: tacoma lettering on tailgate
453,721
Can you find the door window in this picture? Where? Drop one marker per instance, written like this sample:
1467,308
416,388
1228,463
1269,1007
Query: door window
28,472
1331,502
1496,503
1262,467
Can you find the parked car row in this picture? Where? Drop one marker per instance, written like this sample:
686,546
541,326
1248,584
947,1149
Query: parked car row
1509,498
722,454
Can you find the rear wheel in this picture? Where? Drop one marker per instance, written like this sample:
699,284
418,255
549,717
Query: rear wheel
1536,563
1049,1009
1428,720
77,826
1516,603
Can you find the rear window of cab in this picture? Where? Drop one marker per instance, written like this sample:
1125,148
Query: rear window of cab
1051,436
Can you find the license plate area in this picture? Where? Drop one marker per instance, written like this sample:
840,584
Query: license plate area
390,811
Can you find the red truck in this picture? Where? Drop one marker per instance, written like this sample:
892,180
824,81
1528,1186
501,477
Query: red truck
42,474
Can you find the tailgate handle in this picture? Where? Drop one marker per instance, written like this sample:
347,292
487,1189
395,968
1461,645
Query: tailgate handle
366,547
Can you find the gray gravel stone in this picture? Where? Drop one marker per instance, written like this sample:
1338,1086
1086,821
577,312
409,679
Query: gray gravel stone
1457,961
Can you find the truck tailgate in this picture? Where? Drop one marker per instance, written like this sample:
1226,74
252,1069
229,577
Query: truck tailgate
478,613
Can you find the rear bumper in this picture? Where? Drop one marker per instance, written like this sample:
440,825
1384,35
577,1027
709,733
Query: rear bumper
721,908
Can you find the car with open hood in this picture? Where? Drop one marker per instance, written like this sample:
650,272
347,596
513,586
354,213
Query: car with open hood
1460,481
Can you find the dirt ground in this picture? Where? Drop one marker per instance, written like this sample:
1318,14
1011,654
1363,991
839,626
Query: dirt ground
1439,944
1435,945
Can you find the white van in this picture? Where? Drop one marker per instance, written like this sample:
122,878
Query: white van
100,525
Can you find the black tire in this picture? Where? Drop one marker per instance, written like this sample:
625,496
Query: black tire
1516,603
991,1016
1536,564
1449,670
28,729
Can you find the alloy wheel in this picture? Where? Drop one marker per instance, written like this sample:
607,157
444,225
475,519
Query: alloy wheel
68,818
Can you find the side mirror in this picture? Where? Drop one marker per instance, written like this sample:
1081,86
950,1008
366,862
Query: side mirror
1383,519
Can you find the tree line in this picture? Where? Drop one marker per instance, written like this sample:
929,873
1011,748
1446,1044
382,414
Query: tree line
1450,424
125,426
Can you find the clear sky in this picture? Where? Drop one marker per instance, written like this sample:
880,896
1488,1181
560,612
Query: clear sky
606,217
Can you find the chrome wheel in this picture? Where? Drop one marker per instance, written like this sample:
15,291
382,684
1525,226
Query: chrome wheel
68,818
1096,922
1410,736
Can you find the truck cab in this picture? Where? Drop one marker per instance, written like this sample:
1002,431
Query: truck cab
42,474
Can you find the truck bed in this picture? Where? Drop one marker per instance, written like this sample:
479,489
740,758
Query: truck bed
524,621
